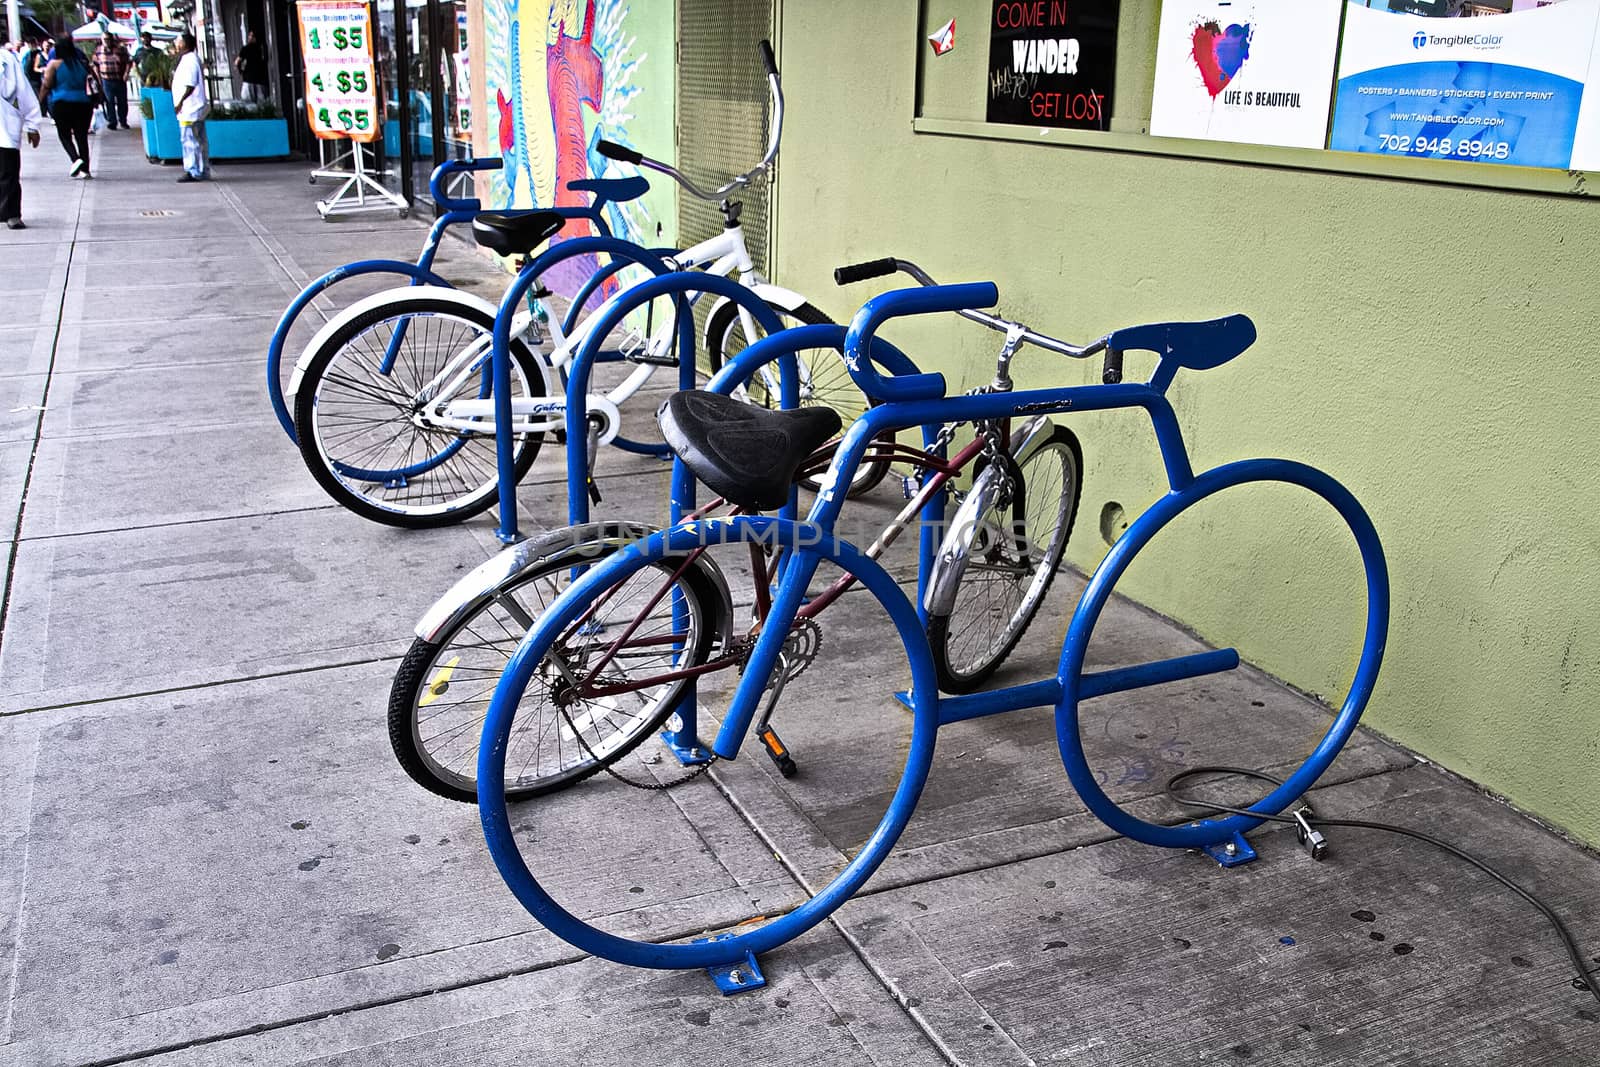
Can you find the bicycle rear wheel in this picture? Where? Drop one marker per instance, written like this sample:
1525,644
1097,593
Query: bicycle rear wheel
1014,552
442,687
359,425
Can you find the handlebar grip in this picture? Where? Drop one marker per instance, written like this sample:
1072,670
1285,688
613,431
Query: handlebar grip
1112,372
612,150
767,59
860,272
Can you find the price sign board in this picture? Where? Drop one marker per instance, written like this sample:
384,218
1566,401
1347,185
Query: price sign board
341,78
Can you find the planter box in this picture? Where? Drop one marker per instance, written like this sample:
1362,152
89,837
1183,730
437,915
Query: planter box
161,142
248,138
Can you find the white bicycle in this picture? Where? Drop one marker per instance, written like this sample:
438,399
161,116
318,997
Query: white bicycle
393,399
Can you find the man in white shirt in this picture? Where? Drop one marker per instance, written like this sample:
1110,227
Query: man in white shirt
19,118
192,104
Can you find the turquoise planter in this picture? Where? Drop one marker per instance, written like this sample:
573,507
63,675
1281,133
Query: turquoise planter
161,132
248,138
228,138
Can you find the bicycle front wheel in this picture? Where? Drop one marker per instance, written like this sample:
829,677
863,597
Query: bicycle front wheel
1016,547
442,687
360,411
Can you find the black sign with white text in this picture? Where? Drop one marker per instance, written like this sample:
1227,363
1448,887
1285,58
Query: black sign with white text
1052,62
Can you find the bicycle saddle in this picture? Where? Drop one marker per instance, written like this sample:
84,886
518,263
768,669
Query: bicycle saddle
515,234
744,453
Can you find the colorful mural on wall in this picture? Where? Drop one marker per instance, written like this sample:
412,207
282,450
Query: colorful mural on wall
561,75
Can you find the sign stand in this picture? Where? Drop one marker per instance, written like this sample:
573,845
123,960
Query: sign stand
360,190
343,103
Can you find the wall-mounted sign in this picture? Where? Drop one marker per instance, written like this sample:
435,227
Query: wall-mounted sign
1251,71
944,38
1501,86
341,79
1052,62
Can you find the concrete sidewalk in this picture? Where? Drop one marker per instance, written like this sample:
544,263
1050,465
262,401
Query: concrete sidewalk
208,854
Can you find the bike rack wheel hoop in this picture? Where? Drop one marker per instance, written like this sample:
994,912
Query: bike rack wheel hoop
1211,832
738,949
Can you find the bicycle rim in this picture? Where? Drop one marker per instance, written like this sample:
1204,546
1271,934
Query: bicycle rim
363,425
1016,551
551,747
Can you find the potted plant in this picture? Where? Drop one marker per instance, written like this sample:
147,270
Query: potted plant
247,131
155,104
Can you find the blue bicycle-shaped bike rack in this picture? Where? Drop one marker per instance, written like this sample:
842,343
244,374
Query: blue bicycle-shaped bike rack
909,400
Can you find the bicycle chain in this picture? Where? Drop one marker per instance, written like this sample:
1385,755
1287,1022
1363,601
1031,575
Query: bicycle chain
800,651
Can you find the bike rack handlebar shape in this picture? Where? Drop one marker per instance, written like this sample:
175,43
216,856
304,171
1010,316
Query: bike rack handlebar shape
449,169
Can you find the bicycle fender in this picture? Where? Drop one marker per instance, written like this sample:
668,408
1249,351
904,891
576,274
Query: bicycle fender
366,304
777,296
950,562
585,543
1026,440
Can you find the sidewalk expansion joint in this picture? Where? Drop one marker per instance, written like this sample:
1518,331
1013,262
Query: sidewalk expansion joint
38,425
112,699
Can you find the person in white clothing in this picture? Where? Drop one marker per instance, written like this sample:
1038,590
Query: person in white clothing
193,105
19,118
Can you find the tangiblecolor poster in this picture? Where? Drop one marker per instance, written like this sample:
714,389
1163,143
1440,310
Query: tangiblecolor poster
1252,71
1492,81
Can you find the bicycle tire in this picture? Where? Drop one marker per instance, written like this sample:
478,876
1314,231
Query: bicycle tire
372,484
826,380
431,667
1210,831
963,659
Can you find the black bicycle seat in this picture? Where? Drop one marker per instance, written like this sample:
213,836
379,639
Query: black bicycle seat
744,453
515,234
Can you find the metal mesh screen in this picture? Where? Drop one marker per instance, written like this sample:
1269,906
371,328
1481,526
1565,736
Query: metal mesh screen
722,113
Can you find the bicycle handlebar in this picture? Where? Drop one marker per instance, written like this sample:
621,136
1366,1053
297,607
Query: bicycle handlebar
860,272
620,153
623,154
449,169
1016,333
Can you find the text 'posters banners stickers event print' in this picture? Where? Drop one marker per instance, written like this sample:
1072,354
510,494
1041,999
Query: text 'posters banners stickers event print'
1249,71
1486,81
1052,62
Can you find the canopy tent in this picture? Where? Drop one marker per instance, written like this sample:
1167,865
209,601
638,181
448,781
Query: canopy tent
94,31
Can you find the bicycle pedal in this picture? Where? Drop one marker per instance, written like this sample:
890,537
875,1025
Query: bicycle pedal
779,754
594,492
654,361
910,487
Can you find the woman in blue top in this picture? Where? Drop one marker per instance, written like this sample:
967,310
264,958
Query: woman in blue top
67,84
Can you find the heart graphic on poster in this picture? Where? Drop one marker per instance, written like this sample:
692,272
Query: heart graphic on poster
1220,53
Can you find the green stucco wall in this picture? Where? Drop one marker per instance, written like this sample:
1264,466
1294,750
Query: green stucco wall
1431,346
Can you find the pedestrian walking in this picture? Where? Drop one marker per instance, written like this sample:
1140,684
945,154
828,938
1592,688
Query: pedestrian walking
146,53
251,63
193,105
37,60
112,62
19,120
68,83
